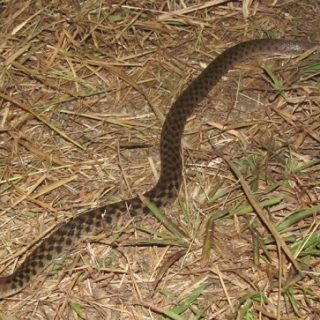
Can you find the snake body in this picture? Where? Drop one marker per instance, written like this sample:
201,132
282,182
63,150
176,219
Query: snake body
166,189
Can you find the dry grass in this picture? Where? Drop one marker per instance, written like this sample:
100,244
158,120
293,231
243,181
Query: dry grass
85,88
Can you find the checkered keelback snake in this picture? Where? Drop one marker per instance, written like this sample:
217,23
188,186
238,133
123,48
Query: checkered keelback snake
166,190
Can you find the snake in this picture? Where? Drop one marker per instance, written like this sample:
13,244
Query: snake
65,235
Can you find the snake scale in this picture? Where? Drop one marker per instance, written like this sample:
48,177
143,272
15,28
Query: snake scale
166,189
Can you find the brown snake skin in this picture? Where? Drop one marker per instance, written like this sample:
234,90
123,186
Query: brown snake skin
166,190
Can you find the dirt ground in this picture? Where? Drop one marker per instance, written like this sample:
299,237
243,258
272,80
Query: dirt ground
85,86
